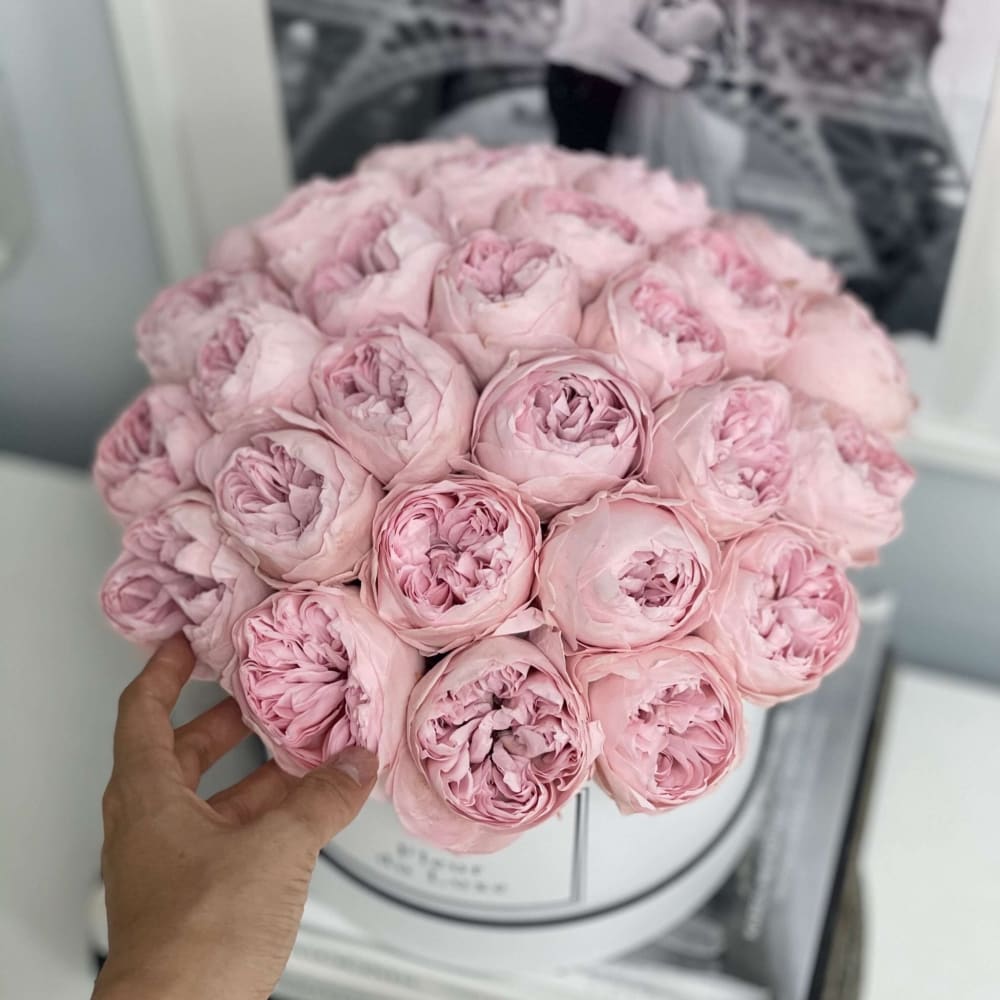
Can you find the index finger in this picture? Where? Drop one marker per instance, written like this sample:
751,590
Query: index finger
145,705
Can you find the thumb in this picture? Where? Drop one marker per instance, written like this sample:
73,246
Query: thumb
330,796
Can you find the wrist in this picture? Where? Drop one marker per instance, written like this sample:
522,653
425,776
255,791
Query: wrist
117,983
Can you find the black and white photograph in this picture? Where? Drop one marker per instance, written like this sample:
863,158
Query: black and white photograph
839,121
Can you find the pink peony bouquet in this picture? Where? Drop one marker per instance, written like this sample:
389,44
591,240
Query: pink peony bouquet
518,467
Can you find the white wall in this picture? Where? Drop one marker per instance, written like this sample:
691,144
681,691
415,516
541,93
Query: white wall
67,306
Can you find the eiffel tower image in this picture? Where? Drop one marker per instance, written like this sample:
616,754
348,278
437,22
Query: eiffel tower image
845,146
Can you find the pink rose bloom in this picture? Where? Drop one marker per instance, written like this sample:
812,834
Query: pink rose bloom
847,484
672,721
378,265
147,455
177,573
302,229
474,184
784,612
398,402
725,448
724,280
296,505
598,238
181,318
452,561
315,672
661,205
626,570
236,249
493,295
408,160
572,164
843,355
645,317
562,428
497,741
781,256
257,360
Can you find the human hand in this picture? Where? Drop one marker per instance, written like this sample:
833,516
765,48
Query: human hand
204,898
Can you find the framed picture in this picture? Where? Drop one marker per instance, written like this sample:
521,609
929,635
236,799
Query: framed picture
869,129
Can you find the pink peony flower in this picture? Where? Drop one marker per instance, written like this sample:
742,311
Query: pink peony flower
315,672
597,238
177,574
147,455
377,266
723,279
626,570
473,184
841,354
497,741
452,561
645,317
398,402
181,318
661,205
724,448
303,228
784,612
672,721
409,160
493,295
562,428
847,483
257,360
786,260
236,249
295,504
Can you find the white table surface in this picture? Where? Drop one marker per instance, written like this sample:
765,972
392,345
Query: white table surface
62,670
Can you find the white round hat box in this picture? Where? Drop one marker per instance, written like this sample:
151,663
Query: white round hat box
584,886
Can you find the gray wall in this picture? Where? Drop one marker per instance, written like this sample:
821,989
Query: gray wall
68,304
945,570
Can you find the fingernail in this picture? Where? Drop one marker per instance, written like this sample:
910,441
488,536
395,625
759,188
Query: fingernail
359,764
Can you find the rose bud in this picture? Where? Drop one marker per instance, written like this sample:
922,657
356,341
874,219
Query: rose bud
147,455
672,721
300,231
661,205
562,428
315,672
474,184
177,574
784,258
597,238
398,402
295,504
493,295
724,280
497,741
725,448
625,570
408,160
646,318
842,355
257,361
784,612
170,333
847,483
377,265
452,561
